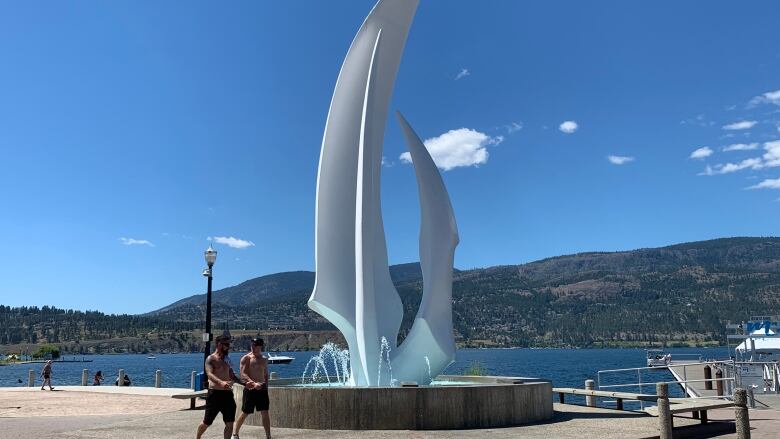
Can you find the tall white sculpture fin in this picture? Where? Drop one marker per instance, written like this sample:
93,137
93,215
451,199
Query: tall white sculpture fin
355,125
430,346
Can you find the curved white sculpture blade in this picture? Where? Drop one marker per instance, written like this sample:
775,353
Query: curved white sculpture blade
430,346
352,287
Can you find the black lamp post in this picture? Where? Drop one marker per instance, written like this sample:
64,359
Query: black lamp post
211,257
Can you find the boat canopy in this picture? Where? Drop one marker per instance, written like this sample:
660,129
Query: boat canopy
762,342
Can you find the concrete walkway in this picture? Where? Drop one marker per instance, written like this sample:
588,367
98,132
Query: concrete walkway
144,391
76,412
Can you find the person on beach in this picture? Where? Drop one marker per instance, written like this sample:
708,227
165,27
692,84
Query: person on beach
220,395
98,378
46,374
254,373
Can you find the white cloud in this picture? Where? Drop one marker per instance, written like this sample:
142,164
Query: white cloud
741,147
767,184
514,126
568,126
703,152
770,159
741,125
386,163
619,160
772,155
699,120
456,148
462,74
231,241
728,168
770,97
131,241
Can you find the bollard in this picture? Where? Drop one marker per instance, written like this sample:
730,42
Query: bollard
751,398
665,425
193,376
121,381
719,382
708,377
84,376
590,401
741,416
273,375
31,378
158,378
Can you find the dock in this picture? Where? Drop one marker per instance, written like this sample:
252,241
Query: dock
690,376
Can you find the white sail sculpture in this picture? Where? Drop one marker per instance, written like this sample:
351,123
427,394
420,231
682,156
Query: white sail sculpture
353,289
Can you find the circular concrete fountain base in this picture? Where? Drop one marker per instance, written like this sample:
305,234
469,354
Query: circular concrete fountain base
491,402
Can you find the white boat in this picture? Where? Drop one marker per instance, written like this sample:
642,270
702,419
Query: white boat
657,358
151,357
279,359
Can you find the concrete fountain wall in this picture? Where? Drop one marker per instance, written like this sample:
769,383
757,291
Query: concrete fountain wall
486,402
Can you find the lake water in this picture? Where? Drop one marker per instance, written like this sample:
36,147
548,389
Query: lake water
564,367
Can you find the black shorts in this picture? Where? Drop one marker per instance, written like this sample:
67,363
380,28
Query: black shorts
220,401
255,399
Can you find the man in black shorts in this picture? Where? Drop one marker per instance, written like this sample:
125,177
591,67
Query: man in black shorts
220,397
254,373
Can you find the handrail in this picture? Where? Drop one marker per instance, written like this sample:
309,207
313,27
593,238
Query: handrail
667,382
631,369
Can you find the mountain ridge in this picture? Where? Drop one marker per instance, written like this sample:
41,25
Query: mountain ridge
678,294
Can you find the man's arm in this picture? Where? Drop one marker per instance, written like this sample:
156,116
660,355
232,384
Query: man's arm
265,375
244,371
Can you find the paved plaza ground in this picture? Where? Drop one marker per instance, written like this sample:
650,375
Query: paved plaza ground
110,412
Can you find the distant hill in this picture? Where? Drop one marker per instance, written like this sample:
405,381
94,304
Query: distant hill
677,295
278,285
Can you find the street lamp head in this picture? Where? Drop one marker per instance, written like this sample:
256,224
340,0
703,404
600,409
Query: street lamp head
211,256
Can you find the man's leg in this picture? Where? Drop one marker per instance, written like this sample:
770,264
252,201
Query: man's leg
228,430
239,422
266,423
201,428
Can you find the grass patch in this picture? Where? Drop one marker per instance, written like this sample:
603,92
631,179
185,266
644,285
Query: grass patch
475,368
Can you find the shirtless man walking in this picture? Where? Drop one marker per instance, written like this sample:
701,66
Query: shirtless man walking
220,397
254,373
46,374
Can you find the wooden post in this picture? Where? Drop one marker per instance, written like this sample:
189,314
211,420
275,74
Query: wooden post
708,377
31,378
665,424
561,398
590,401
193,376
741,417
158,378
619,404
121,381
84,376
719,382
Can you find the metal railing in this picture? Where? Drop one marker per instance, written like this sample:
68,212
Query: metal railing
727,379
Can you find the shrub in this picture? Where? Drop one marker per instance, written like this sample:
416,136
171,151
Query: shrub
475,368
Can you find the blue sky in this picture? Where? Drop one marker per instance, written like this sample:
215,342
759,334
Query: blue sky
131,132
